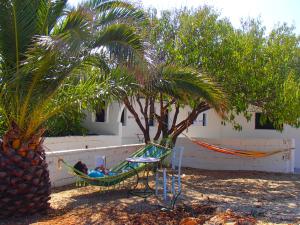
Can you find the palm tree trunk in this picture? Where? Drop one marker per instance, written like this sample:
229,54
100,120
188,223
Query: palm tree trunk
24,176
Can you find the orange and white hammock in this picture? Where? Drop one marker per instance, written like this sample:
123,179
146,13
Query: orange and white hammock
241,153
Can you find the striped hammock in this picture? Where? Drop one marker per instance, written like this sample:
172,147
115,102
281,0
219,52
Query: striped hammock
122,171
241,153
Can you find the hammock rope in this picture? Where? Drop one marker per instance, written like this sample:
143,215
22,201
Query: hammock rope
236,152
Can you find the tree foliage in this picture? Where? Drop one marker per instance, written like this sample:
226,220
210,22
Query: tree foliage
43,43
68,122
45,47
255,68
173,88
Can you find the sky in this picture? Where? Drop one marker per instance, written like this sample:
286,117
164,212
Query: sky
271,12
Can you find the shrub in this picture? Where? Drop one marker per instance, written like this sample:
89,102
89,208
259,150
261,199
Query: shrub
67,123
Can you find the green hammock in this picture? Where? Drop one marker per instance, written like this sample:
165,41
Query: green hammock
122,171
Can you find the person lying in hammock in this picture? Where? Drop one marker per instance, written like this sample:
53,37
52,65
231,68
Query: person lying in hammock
99,171
81,167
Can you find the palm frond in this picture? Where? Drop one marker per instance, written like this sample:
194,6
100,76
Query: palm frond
97,60
110,12
71,92
186,85
17,26
121,41
75,29
56,12
42,46
49,13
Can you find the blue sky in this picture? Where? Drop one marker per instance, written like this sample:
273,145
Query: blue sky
270,11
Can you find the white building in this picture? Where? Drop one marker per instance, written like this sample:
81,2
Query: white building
118,122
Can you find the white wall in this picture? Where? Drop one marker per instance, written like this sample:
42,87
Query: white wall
112,124
60,176
131,129
196,156
249,131
80,142
214,128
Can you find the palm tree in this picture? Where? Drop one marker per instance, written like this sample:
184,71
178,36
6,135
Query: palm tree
43,43
185,86
172,87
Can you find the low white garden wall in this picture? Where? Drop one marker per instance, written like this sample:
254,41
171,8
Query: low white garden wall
81,142
114,155
196,156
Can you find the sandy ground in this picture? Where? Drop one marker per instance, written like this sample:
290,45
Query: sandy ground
266,198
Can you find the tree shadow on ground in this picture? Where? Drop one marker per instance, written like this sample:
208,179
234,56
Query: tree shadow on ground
263,195
267,196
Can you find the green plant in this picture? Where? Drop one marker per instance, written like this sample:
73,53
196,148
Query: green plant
257,69
44,48
66,123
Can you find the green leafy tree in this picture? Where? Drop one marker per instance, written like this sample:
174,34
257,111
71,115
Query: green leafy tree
42,44
255,69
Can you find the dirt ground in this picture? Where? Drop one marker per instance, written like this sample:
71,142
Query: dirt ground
210,197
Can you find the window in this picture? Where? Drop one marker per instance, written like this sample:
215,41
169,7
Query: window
151,121
100,115
204,119
152,112
123,117
199,121
266,126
